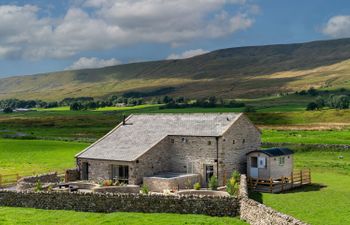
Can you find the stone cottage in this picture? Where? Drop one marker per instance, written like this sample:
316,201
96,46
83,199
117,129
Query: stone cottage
145,145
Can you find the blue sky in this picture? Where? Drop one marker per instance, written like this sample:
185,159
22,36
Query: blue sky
41,36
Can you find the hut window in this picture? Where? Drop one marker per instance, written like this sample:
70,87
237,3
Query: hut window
254,162
233,141
281,161
243,141
172,141
209,142
184,140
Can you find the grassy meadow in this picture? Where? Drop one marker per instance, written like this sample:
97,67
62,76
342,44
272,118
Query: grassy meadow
307,136
9,216
28,157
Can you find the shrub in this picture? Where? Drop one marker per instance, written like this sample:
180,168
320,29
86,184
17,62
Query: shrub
38,186
107,183
249,109
188,183
213,183
232,184
144,189
311,106
8,110
197,186
166,192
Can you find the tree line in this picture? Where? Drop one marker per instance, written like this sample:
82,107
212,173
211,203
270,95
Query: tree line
210,102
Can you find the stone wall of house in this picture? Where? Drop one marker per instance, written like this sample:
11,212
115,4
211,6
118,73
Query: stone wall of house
102,169
154,161
26,183
256,213
191,154
236,142
98,202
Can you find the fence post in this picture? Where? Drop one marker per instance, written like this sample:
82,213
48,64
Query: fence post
301,177
292,178
309,176
271,186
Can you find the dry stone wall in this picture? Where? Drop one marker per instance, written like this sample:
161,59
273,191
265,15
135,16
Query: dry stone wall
98,202
256,213
71,175
26,183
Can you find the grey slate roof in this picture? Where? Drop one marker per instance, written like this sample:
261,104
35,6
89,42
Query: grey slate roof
275,151
143,131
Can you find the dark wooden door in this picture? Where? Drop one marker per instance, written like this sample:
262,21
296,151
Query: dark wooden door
85,171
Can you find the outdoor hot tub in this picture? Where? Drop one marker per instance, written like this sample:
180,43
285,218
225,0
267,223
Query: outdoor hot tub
170,181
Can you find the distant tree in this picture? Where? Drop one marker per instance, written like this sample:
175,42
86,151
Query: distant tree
235,104
338,101
166,99
8,110
212,101
320,102
249,108
312,91
76,106
311,106
303,92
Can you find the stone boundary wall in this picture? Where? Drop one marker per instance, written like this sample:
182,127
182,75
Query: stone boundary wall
71,175
256,213
308,146
98,202
118,189
26,183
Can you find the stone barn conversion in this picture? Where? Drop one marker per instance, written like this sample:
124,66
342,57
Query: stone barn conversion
171,146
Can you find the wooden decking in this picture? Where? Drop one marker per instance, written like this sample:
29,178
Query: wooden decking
296,179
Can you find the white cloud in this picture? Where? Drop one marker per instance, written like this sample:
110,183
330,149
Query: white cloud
338,26
93,25
86,63
187,54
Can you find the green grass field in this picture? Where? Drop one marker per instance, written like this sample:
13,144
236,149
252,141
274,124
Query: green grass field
9,216
327,200
28,157
307,137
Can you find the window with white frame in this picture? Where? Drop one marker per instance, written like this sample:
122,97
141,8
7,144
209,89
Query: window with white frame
281,161
190,167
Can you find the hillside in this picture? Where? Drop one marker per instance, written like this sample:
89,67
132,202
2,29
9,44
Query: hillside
234,72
